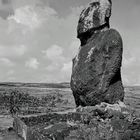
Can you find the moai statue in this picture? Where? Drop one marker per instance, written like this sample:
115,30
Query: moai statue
96,72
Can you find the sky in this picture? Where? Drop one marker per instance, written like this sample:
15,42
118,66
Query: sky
38,39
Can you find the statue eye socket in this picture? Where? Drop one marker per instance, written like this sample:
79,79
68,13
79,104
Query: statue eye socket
87,11
95,4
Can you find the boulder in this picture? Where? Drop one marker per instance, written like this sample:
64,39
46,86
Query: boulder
96,72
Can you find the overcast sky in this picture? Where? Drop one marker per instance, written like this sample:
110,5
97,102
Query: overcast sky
38,39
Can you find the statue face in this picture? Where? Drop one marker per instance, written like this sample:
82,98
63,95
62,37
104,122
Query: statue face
94,15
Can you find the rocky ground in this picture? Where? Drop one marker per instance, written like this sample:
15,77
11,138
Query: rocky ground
101,122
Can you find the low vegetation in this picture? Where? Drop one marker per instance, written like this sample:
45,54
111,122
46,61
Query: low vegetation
16,101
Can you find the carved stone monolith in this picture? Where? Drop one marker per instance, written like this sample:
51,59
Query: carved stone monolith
96,72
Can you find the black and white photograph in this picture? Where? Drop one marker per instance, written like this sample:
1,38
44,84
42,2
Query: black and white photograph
69,70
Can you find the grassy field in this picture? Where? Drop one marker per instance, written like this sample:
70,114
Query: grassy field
31,99
132,97
40,98
36,99
43,98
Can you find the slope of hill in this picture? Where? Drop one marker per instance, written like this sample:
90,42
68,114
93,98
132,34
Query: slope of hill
39,85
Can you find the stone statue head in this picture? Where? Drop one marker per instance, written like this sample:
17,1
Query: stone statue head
96,14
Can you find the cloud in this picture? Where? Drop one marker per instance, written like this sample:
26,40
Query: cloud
6,9
6,62
12,51
26,16
127,62
32,16
125,80
10,72
6,2
67,67
10,79
66,71
32,63
33,26
20,50
5,13
54,53
74,47
60,74
52,67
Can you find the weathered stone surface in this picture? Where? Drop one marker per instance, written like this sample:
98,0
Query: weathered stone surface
96,72
100,122
96,14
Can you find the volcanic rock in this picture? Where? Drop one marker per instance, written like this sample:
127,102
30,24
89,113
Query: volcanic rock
96,72
100,122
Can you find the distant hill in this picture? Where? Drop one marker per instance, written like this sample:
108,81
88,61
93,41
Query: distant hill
39,85
48,85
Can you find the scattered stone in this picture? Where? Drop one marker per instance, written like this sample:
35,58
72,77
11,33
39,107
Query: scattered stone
100,122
